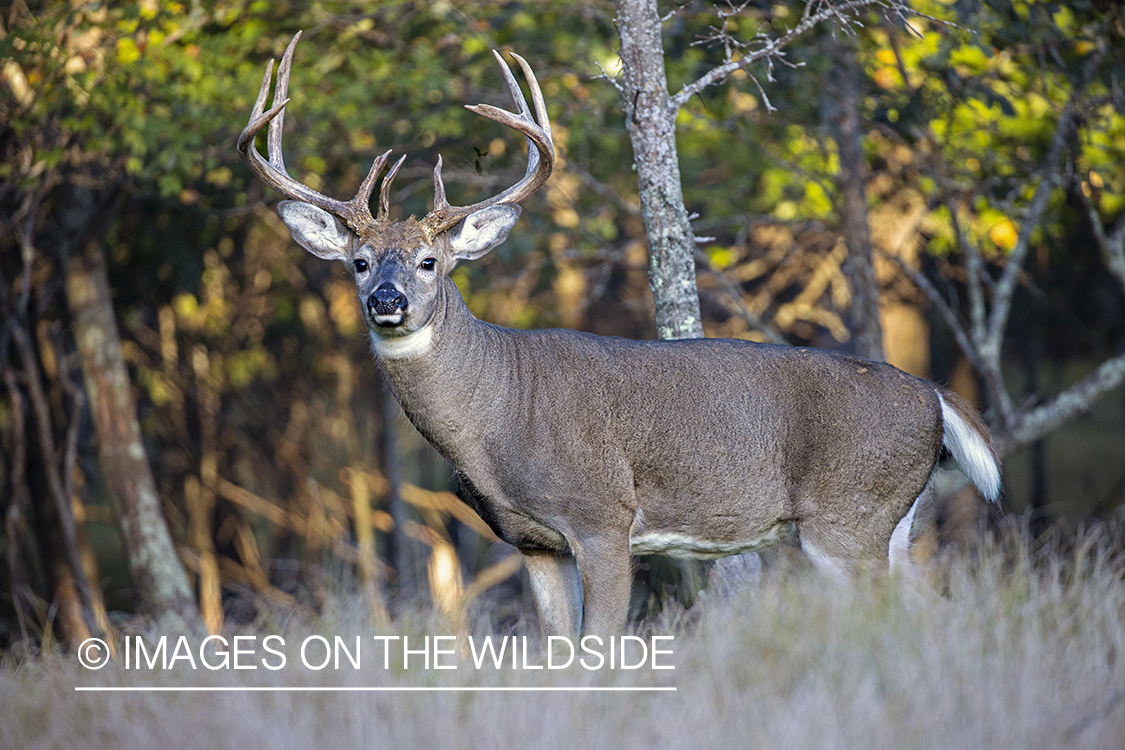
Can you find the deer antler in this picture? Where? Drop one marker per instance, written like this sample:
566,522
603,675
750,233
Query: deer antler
356,213
540,159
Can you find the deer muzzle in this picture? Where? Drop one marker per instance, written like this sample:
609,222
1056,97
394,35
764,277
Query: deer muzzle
387,306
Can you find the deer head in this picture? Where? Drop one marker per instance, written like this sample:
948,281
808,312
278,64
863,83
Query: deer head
398,265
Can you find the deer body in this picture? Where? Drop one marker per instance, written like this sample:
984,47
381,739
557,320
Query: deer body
581,450
558,431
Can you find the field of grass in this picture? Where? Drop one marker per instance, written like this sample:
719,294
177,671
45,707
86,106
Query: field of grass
1019,651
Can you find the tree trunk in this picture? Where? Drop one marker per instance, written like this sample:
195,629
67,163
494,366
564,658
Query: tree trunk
651,121
848,125
158,575
200,494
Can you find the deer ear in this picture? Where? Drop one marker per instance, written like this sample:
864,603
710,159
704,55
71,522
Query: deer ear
315,229
481,231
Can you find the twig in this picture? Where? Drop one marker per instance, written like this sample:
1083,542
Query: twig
42,414
611,79
948,314
974,271
1112,246
602,189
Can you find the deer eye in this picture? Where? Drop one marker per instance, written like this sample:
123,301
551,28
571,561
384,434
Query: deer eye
360,265
428,264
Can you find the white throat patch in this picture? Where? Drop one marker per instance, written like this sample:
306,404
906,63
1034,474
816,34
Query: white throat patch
404,347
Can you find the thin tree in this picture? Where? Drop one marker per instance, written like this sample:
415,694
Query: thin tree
650,117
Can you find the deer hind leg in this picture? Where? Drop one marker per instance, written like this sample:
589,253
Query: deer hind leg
868,546
898,551
825,557
842,550
557,590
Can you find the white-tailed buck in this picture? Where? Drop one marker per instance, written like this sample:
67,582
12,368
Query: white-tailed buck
583,450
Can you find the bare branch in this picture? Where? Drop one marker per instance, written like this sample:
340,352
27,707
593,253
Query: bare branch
77,401
948,314
42,415
602,189
816,12
608,77
1075,400
765,99
974,272
1006,286
674,12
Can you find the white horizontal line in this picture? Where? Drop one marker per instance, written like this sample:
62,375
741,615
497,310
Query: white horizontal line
155,689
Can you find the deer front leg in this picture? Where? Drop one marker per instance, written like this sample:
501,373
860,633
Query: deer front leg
607,575
557,590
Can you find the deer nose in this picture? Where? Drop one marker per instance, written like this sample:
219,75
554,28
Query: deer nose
386,300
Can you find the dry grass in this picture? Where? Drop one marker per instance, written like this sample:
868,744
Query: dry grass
1024,652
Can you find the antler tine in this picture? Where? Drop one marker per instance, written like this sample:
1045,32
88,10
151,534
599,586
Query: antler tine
263,93
362,199
540,151
385,189
356,213
440,202
273,138
536,98
521,103
513,87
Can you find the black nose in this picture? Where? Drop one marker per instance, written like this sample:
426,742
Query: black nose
386,300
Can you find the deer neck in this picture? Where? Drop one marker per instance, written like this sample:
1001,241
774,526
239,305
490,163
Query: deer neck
448,375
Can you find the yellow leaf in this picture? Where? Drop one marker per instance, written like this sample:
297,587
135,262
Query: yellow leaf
886,78
1004,234
723,257
127,51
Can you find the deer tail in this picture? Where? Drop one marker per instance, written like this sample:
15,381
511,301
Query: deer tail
968,439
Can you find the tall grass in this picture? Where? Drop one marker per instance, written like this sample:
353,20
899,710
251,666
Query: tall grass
1021,650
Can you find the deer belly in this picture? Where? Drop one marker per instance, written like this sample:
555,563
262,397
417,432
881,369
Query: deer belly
707,546
517,529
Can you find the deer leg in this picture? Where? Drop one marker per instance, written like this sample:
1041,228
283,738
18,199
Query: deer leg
607,575
839,556
898,552
557,590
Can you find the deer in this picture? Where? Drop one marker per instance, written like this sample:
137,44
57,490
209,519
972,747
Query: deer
583,451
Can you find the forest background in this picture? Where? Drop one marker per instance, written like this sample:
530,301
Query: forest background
191,421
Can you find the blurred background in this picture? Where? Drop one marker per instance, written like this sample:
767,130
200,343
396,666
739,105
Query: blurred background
191,420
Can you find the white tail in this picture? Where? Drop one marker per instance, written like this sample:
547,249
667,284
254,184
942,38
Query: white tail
968,441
